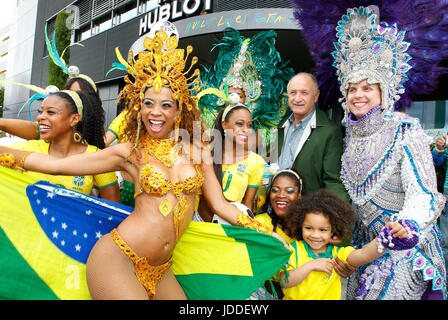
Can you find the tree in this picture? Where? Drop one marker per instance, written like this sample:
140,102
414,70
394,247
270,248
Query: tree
56,76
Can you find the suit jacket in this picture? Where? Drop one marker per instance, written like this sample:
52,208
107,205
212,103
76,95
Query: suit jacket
318,154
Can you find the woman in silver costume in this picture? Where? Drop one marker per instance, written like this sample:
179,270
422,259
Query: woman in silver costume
387,166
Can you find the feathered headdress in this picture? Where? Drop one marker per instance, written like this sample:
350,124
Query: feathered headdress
156,68
254,65
39,95
424,22
372,51
161,64
71,71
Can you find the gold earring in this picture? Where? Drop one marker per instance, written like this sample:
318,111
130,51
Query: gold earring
77,137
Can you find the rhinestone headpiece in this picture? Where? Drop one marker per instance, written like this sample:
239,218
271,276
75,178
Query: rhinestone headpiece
161,64
372,51
243,74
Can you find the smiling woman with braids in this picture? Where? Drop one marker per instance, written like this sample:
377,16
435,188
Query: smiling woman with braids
44,136
133,260
71,123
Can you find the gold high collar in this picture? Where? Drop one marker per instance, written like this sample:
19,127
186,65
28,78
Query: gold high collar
161,149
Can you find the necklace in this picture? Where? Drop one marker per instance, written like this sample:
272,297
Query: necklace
163,150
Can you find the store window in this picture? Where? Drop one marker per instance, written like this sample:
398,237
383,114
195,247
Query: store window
125,13
83,33
102,24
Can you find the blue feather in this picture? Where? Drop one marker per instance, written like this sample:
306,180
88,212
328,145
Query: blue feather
116,66
53,52
36,96
58,61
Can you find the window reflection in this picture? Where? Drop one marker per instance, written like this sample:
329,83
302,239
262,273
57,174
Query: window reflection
101,25
116,15
126,13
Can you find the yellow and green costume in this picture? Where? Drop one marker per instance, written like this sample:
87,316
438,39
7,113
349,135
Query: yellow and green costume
83,184
318,285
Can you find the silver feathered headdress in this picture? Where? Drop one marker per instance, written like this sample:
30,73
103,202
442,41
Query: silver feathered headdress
370,50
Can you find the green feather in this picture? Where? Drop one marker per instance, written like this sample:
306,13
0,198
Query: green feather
271,107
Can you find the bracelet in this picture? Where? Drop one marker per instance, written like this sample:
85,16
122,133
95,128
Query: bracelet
386,239
7,160
22,161
247,222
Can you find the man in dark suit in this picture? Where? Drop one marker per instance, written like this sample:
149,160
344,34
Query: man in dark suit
309,141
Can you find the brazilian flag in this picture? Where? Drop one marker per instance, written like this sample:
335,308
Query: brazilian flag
47,232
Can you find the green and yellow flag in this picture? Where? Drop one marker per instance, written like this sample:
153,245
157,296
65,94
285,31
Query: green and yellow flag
47,232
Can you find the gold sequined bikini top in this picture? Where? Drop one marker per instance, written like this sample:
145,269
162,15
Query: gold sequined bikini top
154,183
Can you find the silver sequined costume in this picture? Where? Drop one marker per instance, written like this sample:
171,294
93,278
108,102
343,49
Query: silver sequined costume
388,172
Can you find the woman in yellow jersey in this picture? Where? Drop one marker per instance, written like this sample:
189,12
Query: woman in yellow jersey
53,142
313,221
30,130
115,130
65,132
133,261
238,169
285,188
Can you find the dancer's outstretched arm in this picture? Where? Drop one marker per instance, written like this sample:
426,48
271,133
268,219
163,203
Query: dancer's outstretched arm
106,160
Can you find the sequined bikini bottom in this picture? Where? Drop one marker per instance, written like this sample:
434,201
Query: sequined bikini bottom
148,275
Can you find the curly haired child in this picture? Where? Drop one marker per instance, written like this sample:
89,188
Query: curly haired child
313,221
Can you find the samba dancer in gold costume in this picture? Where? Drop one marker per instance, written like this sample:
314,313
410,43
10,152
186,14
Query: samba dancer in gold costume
132,262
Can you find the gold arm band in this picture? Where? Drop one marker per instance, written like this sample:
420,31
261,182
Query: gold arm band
7,160
247,222
22,161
